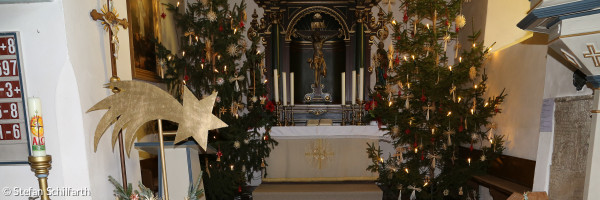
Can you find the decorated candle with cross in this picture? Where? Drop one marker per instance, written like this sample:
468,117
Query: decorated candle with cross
36,125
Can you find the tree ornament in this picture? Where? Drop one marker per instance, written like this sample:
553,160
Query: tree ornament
212,16
472,73
254,99
395,130
482,158
232,49
433,157
262,164
218,99
219,154
446,40
407,97
236,144
220,28
407,131
413,195
134,196
239,189
163,15
241,24
471,147
399,156
460,191
235,79
208,49
423,98
246,141
449,132
220,81
446,192
428,108
453,92
263,99
460,21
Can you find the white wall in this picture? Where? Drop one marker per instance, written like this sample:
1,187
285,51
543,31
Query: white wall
88,46
45,59
65,61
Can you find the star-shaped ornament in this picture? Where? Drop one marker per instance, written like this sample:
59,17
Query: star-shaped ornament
198,119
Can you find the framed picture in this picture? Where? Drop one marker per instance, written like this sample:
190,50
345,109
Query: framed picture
143,19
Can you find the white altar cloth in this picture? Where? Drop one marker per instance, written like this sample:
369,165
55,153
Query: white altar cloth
321,153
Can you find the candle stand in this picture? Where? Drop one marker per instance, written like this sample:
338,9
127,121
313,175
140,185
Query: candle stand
41,166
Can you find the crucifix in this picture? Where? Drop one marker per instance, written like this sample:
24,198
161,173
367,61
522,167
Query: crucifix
109,18
318,36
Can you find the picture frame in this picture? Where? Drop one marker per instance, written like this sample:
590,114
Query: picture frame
144,31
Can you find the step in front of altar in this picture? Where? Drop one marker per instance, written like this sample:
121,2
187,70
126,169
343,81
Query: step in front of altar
331,191
321,153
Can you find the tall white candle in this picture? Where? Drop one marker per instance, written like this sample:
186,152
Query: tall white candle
353,87
275,83
343,88
38,140
283,74
361,84
292,88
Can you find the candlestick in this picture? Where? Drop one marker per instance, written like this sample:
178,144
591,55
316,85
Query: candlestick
292,88
284,88
353,87
361,84
38,144
343,88
41,166
275,83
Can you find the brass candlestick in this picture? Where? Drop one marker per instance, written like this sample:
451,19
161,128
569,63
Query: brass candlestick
277,115
359,113
41,166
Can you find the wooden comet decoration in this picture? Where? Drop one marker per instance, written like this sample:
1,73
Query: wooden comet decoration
138,103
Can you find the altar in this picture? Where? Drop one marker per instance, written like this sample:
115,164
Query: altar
321,153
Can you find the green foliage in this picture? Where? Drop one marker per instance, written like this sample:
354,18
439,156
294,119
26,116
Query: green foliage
119,191
194,192
422,69
213,46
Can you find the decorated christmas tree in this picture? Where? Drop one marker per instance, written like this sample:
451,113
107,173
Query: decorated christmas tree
433,103
215,57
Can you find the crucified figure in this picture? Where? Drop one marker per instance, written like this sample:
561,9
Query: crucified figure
317,62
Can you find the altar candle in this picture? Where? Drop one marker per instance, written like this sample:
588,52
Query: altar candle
284,88
292,88
361,84
36,123
343,88
353,87
276,87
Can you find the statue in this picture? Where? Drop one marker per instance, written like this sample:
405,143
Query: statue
381,64
317,62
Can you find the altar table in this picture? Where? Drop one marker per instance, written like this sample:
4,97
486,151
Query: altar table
321,153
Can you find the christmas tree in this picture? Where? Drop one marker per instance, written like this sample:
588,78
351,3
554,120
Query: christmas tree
213,46
432,103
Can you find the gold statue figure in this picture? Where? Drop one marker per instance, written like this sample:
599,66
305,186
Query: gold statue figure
317,62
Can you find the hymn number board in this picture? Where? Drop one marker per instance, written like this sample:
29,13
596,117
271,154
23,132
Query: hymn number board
14,137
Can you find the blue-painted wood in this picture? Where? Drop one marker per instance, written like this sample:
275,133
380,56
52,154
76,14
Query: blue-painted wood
560,12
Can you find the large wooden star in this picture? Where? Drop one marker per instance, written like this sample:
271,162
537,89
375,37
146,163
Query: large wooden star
197,119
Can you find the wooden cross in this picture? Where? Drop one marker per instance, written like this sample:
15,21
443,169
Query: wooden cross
110,19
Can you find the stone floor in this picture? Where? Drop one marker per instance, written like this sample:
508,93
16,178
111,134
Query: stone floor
317,191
